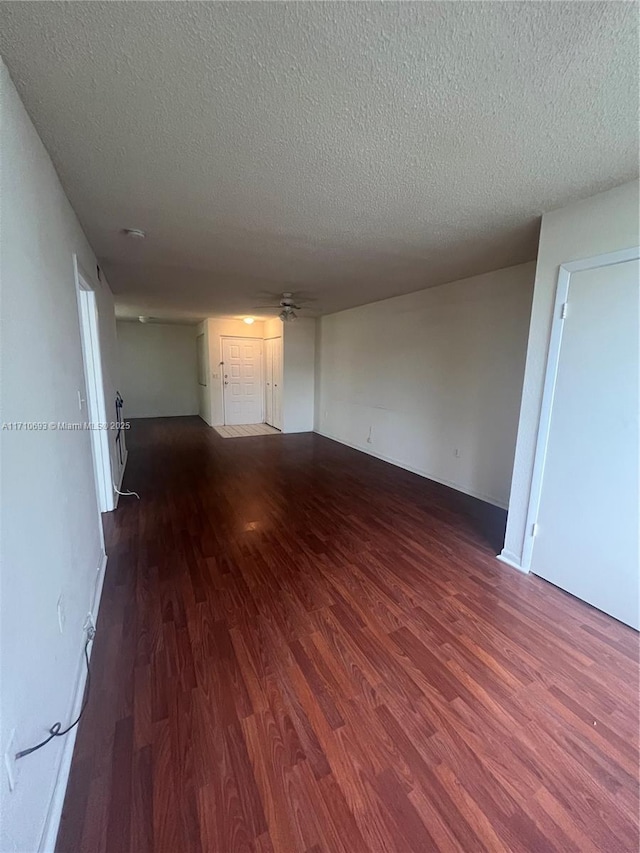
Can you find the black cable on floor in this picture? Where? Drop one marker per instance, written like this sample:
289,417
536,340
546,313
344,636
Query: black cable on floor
56,729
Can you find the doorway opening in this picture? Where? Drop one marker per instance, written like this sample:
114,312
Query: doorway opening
95,399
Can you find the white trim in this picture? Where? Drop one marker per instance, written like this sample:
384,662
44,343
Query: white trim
94,385
102,568
116,495
52,823
511,559
551,373
426,474
240,338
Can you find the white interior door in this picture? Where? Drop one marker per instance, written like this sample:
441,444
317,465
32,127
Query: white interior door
587,523
268,379
242,377
276,351
273,382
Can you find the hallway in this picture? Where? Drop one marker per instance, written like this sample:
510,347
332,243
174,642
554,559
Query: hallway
301,648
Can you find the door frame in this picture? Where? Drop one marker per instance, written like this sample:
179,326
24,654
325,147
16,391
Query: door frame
94,386
224,338
551,374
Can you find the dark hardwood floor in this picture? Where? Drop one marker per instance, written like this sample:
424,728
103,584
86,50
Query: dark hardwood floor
303,649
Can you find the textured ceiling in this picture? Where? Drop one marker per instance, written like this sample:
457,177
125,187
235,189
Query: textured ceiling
351,150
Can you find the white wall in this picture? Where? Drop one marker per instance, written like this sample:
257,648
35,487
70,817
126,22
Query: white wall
603,223
216,330
413,378
51,542
273,328
158,369
298,379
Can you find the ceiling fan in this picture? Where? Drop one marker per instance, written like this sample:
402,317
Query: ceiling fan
287,306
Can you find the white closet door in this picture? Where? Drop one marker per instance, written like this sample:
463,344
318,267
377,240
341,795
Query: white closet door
277,383
268,390
587,527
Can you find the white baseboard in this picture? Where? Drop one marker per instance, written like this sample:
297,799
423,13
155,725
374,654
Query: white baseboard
429,476
99,584
511,559
116,496
52,822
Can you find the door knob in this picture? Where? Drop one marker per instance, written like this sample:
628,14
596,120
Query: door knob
225,382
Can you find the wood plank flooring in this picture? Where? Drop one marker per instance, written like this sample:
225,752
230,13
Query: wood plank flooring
303,649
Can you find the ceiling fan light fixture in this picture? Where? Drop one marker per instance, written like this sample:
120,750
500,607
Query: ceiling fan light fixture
286,307
287,314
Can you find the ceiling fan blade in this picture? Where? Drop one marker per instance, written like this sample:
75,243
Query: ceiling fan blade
302,296
293,295
268,294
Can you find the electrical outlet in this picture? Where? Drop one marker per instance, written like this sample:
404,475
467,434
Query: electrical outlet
62,616
10,763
